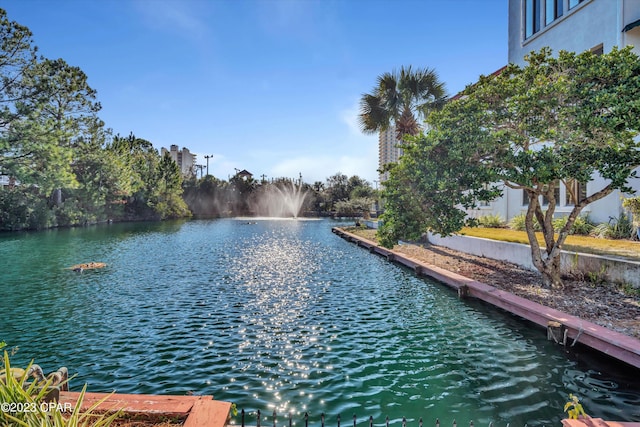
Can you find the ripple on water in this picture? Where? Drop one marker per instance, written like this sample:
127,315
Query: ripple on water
285,316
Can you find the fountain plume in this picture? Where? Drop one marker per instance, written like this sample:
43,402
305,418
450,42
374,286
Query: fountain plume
283,200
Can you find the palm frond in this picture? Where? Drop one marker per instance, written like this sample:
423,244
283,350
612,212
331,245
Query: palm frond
401,97
373,116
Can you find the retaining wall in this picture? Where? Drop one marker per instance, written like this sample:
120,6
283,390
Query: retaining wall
607,341
572,263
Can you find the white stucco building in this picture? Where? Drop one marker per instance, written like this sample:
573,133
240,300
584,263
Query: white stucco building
184,158
572,25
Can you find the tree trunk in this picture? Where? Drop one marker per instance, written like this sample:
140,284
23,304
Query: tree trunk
57,197
549,265
551,276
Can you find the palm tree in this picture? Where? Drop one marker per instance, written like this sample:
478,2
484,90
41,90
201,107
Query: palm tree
401,99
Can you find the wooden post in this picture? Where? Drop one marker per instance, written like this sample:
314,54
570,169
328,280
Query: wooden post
556,332
463,291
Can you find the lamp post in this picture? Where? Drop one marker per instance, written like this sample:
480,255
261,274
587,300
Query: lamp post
208,156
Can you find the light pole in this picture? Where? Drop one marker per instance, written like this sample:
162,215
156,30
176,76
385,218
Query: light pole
199,167
208,156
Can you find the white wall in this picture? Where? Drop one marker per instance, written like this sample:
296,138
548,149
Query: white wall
591,23
572,263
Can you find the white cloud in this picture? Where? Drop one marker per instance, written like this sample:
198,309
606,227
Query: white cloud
349,116
320,168
178,17
288,17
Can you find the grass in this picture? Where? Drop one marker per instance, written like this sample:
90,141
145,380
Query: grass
585,244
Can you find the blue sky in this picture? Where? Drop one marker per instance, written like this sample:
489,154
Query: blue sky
271,86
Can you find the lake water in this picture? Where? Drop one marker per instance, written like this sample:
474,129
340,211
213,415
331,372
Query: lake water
283,315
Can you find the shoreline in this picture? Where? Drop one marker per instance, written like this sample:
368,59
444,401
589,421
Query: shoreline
511,288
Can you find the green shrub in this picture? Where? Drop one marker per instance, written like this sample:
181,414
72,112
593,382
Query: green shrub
617,228
33,411
490,221
633,205
630,290
582,225
518,223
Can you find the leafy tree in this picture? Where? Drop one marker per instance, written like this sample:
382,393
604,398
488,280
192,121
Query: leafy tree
401,99
53,147
45,107
337,189
208,197
23,207
239,193
102,179
355,206
139,162
429,188
563,119
360,188
62,110
17,56
167,199
318,197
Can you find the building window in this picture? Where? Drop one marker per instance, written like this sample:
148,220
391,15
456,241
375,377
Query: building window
598,50
553,10
574,3
525,198
532,17
575,189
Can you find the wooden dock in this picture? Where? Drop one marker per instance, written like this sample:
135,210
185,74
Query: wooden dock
596,422
197,411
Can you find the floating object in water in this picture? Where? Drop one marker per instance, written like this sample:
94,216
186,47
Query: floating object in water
79,268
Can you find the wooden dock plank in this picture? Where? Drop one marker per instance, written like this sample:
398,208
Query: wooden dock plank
198,411
207,412
134,403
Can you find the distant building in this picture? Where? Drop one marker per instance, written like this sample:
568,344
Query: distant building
7,181
389,150
185,160
244,174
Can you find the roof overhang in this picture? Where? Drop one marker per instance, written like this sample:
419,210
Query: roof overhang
631,26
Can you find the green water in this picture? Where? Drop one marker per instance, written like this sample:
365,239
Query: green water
283,315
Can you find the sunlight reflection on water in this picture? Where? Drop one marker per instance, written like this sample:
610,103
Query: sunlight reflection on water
282,315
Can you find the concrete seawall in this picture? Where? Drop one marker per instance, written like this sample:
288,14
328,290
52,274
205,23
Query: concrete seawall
606,341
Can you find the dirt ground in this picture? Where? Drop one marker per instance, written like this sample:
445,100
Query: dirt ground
604,304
